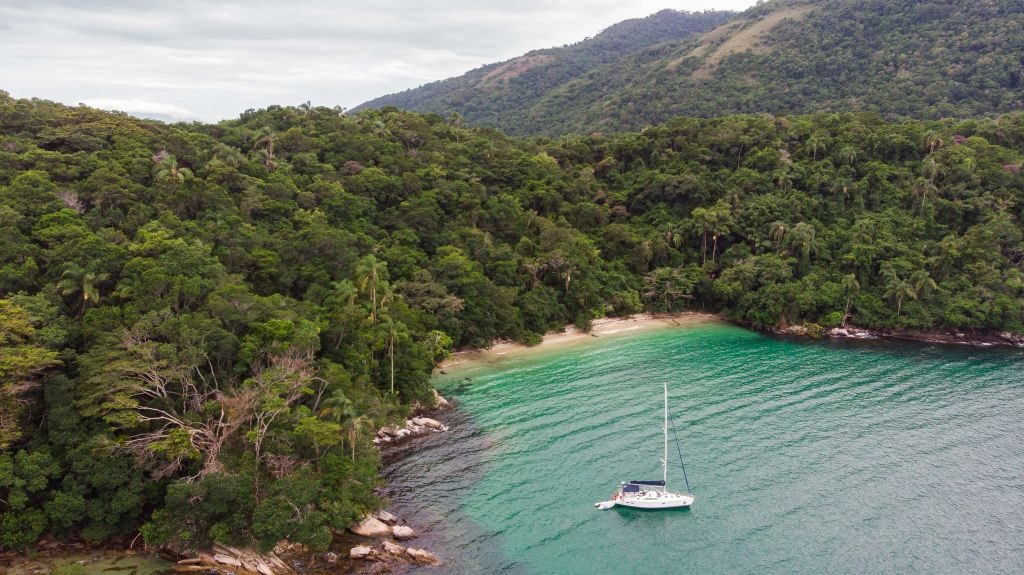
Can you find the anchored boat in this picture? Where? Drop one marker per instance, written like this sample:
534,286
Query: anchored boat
652,494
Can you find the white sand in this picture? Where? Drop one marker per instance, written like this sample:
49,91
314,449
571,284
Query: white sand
571,335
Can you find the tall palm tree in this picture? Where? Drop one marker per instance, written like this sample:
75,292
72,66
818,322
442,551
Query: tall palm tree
922,188
801,242
841,190
899,289
702,224
369,274
816,143
850,287
777,233
393,330
265,140
930,169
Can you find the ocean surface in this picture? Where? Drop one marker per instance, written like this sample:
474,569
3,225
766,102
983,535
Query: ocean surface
804,457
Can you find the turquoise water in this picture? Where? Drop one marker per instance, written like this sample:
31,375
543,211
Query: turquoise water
804,457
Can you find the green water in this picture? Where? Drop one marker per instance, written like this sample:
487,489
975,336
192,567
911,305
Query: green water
804,457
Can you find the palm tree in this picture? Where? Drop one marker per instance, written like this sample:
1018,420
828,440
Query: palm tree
899,289
933,140
228,155
776,233
922,188
166,169
702,225
369,274
265,140
353,424
930,169
816,143
394,330
848,154
784,180
76,279
850,287
267,159
841,189
335,406
801,241
922,282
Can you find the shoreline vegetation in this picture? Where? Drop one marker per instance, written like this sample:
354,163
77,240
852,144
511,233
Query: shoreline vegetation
204,324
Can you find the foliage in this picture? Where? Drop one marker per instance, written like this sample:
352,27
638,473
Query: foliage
204,358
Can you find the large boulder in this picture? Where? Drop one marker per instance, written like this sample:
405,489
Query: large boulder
386,517
440,401
403,532
360,552
422,556
371,527
393,548
427,422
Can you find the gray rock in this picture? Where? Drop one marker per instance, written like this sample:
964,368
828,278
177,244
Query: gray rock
371,527
359,552
422,556
403,532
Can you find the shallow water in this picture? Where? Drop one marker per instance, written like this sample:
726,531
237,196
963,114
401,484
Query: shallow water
804,457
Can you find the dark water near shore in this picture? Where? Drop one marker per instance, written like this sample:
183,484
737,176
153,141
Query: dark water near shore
841,457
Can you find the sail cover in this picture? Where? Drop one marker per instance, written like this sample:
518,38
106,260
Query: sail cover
659,482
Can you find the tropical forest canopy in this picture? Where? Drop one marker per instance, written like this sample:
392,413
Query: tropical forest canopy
201,325
923,59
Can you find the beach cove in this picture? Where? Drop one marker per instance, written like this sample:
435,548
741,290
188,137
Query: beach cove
805,456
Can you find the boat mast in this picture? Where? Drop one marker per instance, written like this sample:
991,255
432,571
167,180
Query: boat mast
664,461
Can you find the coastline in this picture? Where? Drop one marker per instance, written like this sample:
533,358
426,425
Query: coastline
982,339
571,335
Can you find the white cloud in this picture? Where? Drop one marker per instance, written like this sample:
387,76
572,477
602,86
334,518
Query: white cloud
191,58
141,107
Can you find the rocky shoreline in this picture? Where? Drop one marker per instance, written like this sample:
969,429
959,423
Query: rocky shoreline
968,338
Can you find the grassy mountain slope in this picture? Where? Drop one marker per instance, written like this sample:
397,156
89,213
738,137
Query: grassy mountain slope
501,93
921,58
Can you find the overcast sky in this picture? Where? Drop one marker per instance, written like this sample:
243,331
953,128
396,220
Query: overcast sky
211,60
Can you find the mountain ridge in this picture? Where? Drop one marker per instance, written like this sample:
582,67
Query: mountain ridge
920,59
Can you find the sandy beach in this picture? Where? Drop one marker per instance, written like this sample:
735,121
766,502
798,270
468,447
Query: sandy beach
572,336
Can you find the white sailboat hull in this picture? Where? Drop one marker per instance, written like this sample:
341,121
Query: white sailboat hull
669,501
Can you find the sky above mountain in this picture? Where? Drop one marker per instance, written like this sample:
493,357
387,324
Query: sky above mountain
208,61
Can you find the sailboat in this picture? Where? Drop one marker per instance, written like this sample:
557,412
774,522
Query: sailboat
651,494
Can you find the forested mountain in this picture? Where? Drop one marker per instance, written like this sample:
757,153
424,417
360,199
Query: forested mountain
201,325
499,94
924,59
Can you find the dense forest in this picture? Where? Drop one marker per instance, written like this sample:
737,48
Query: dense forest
201,325
923,59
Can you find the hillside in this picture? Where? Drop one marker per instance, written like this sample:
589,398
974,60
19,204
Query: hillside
498,94
202,325
924,59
